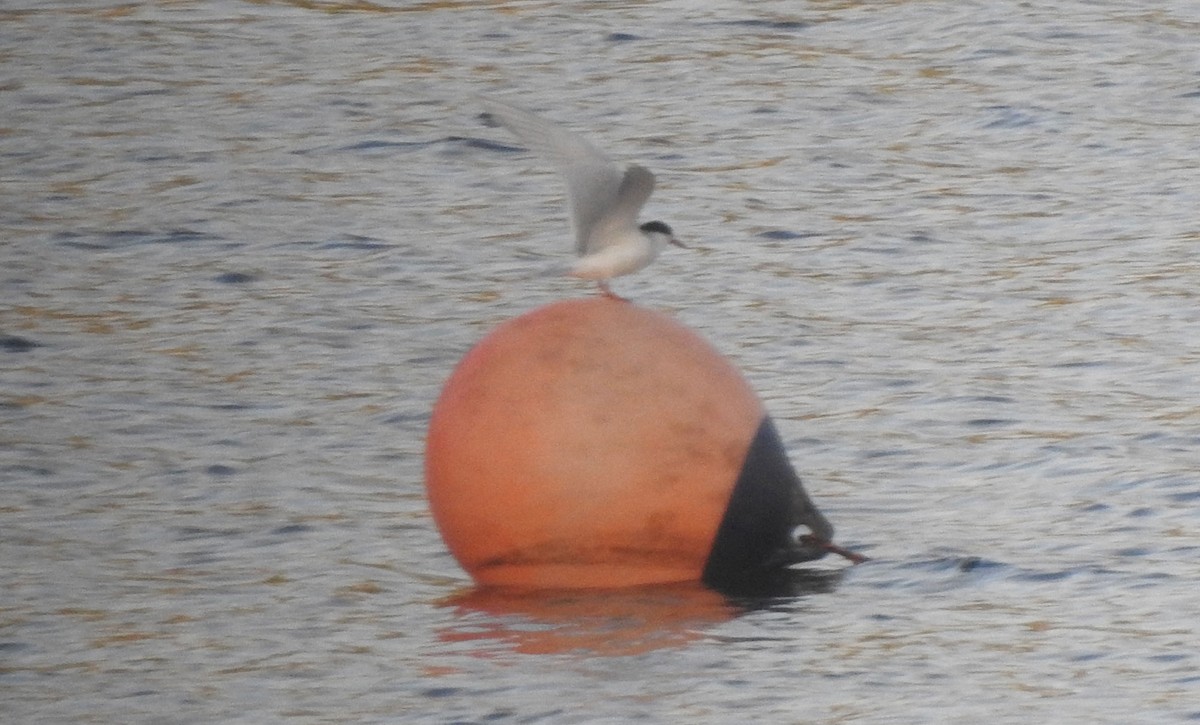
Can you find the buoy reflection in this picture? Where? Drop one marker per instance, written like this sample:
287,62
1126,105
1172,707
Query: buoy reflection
613,622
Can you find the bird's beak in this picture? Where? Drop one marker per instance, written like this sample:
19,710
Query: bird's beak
678,243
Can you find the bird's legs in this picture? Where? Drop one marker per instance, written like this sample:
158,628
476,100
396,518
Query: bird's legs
604,290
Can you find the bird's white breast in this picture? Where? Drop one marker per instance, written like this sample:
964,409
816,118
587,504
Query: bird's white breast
629,253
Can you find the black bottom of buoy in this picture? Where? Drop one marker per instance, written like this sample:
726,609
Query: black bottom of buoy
756,535
763,589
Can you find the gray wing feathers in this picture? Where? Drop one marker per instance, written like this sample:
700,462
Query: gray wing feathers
636,188
592,192
631,196
595,185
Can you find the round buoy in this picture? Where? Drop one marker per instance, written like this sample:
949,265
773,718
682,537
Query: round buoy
594,443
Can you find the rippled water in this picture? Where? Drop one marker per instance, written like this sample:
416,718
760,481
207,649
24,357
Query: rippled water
953,245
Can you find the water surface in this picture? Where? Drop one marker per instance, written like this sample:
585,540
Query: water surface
952,245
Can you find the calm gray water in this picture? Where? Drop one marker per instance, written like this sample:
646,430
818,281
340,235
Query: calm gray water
952,244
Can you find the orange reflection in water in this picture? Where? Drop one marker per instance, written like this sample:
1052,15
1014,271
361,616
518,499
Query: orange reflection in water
608,622
612,622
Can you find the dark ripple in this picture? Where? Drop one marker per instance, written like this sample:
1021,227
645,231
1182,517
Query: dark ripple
977,566
1080,364
781,25
14,343
484,143
237,406
25,470
1173,657
991,53
122,238
174,158
963,564
923,238
234,278
1046,576
140,693
991,399
885,453
190,533
990,422
783,234
291,529
406,418
937,573
355,241
370,145
378,145
439,692
1008,117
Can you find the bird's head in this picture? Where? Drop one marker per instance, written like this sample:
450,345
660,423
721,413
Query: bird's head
661,234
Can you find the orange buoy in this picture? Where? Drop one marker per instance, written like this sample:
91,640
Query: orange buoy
594,443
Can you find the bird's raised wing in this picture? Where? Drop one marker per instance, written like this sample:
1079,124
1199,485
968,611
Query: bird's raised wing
622,213
594,182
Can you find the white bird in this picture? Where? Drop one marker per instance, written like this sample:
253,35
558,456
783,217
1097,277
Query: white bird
604,200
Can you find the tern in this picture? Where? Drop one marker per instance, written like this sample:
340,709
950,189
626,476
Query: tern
603,198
